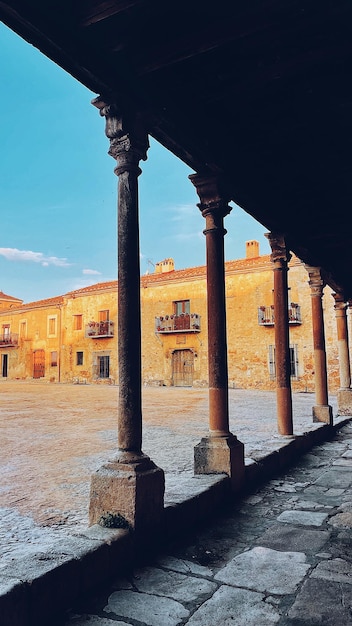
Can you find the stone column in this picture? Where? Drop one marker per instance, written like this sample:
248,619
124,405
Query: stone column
344,394
280,257
349,326
220,451
130,486
322,412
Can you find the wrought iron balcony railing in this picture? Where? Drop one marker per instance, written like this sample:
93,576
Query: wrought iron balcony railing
100,330
186,322
8,340
266,315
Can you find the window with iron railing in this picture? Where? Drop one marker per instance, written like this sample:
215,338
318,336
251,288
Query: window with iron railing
266,314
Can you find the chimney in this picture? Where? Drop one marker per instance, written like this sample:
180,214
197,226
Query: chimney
252,249
167,265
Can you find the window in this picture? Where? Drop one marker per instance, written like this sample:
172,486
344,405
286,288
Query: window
77,322
103,366
79,358
104,316
6,331
52,325
23,330
182,306
293,361
53,358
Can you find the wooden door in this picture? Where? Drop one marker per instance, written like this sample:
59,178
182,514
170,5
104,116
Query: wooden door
4,365
38,363
182,368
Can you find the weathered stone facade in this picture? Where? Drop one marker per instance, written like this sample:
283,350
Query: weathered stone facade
76,334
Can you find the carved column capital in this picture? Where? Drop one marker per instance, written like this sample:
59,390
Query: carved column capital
213,201
340,304
316,281
280,254
128,138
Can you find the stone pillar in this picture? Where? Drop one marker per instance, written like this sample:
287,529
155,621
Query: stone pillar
280,257
129,487
322,411
344,394
221,451
349,326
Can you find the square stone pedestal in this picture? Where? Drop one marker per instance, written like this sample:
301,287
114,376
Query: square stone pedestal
221,455
323,413
344,402
132,491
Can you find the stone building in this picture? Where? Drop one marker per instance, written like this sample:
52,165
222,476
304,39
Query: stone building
73,338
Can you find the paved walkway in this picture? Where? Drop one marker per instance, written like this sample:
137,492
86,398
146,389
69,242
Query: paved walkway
281,556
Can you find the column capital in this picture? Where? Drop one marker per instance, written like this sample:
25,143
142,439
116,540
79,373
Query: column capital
128,137
316,281
280,254
340,303
213,196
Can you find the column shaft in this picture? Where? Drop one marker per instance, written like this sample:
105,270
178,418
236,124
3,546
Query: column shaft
280,257
344,394
217,341
342,341
321,378
322,412
129,316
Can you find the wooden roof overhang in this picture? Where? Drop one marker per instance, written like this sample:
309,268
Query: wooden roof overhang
257,92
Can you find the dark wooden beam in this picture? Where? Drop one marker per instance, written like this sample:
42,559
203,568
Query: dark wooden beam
99,11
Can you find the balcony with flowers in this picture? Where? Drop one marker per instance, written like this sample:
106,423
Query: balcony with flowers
8,340
99,330
184,322
266,315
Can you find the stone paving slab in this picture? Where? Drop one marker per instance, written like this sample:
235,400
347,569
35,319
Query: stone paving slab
322,603
293,538
264,569
229,606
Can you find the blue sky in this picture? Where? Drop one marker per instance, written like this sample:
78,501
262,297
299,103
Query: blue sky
59,193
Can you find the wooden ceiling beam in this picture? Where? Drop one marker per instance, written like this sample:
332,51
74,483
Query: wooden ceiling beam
100,11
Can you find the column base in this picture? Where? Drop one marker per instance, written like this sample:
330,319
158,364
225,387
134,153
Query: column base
128,490
344,401
323,413
221,455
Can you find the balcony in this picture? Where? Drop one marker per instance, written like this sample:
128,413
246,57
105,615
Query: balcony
99,330
8,340
186,322
266,315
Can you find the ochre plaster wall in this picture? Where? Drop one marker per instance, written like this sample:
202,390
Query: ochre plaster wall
249,285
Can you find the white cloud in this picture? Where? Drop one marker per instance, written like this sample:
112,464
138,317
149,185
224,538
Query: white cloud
91,272
182,212
28,256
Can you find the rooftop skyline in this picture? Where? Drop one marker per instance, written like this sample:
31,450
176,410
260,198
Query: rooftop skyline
59,191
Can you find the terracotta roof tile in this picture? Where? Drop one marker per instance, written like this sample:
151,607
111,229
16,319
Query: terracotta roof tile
239,265
95,287
4,296
39,303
